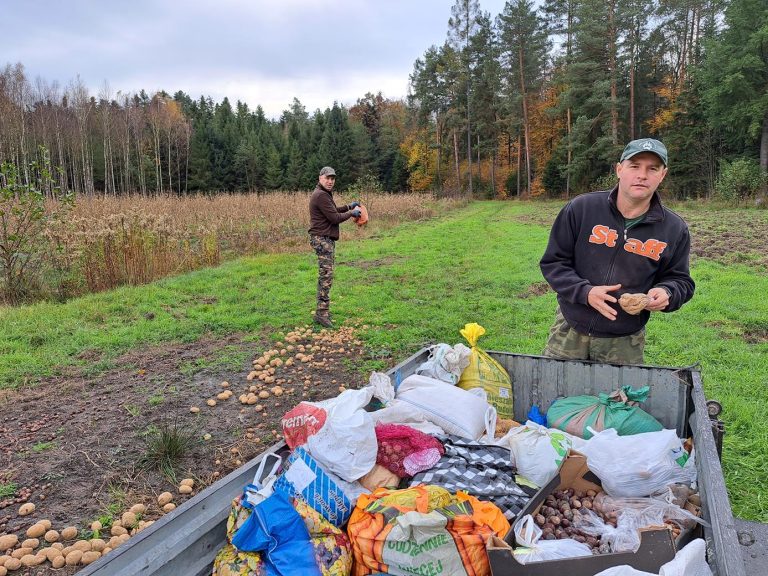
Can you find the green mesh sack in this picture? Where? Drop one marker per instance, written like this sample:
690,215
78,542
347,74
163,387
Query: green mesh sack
618,410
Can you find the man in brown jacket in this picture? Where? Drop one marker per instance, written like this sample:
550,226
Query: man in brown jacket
324,220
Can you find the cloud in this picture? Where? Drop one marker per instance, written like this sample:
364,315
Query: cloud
259,51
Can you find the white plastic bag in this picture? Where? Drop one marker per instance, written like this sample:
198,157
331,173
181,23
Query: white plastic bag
445,363
536,550
337,432
690,561
454,410
639,464
396,411
537,451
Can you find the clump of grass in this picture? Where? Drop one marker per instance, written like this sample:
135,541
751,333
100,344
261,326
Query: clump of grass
166,446
7,490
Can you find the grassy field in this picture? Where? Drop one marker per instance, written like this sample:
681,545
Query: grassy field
418,283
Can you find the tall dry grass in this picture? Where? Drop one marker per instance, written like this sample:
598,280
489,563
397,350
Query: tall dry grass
111,241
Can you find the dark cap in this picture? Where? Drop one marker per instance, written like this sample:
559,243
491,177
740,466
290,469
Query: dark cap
645,145
327,171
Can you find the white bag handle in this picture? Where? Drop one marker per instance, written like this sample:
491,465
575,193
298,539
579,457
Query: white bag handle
260,477
491,416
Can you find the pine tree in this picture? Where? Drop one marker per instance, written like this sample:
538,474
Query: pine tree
735,79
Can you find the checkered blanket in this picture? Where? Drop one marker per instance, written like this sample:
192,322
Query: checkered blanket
483,470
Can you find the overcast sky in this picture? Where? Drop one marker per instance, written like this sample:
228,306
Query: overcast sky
258,51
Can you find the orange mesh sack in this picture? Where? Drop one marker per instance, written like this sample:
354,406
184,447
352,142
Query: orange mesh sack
363,219
422,530
484,372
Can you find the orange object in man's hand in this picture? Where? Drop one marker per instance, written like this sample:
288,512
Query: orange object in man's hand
363,219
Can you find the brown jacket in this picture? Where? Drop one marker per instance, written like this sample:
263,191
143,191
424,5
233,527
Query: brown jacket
324,215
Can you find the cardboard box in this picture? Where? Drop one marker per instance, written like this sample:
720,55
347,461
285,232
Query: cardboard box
657,546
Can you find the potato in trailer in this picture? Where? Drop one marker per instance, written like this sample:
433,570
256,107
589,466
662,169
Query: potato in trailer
186,541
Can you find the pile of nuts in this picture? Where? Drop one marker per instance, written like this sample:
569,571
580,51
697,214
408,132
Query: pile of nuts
558,512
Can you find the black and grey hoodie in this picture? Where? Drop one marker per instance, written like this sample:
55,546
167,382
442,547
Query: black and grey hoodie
589,246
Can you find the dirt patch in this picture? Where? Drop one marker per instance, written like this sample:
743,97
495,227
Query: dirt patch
726,236
756,334
368,264
72,445
535,289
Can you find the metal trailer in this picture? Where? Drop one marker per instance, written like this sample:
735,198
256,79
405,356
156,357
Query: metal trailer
185,541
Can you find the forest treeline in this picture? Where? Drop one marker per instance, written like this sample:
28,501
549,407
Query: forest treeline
539,99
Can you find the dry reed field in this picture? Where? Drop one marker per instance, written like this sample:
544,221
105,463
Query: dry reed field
110,241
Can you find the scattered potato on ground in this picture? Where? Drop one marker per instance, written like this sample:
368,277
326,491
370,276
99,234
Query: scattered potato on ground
21,552
36,530
90,557
8,541
128,519
82,545
69,533
164,498
26,509
74,557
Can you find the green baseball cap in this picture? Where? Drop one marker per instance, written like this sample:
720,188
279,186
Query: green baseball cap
645,145
327,171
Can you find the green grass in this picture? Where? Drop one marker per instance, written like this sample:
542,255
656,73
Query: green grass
42,446
418,284
7,490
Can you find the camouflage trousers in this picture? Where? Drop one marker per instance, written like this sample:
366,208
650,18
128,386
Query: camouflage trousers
567,344
325,248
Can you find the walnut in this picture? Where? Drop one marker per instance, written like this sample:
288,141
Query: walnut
633,303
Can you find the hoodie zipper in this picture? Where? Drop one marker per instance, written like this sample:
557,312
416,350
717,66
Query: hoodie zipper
596,314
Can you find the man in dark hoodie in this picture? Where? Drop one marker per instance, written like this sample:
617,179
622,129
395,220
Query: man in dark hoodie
605,244
324,218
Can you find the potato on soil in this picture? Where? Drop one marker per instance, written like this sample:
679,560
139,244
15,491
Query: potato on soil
26,509
164,498
58,562
82,545
184,489
4,558
3,570
21,552
138,509
12,564
74,557
118,531
97,544
90,557
31,560
69,533
30,543
51,536
8,541
36,530
128,519
187,482
169,507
